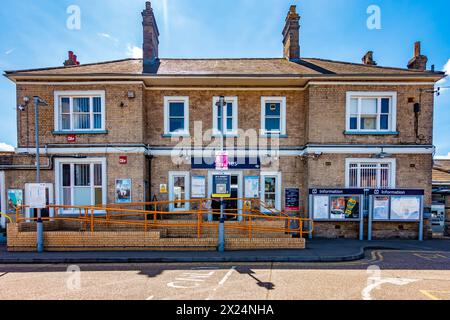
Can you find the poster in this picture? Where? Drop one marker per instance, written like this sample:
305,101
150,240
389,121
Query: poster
381,208
321,207
15,198
405,208
221,186
123,191
344,207
163,188
251,187
292,199
198,187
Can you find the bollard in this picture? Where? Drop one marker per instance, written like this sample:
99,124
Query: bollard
40,235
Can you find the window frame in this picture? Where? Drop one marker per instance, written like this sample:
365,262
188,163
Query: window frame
379,95
235,117
359,161
91,94
172,99
59,192
282,102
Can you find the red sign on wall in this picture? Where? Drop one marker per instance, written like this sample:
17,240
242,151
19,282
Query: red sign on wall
71,138
123,160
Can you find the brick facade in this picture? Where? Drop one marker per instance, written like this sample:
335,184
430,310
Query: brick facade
315,91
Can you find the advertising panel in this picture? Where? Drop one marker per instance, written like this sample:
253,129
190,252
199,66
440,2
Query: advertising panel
123,190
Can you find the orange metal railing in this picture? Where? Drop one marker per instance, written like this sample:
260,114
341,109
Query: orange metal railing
137,215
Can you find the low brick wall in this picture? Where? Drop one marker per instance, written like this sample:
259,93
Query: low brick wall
25,241
395,230
380,230
336,230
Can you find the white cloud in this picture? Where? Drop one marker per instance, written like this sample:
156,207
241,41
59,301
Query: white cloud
447,157
447,72
134,52
108,36
6,147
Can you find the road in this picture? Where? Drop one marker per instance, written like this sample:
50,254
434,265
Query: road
411,275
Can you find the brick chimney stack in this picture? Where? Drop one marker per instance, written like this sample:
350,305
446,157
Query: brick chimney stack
72,61
419,61
151,39
291,35
368,59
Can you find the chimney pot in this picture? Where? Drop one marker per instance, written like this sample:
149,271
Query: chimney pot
417,49
72,61
368,59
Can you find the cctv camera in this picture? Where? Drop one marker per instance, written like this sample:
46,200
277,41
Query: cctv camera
26,99
21,107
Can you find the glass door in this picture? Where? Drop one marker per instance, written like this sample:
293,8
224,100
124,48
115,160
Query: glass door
271,191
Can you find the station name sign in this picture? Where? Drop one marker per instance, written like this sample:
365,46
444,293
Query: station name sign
336,191
241,163
396,192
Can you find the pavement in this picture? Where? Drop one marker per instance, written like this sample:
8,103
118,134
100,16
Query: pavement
324,251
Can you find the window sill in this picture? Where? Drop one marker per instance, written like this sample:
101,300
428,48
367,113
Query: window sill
65,133
372,133
170,135
228,135
274,135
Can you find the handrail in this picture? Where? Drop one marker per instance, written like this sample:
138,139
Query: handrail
6,216
121,214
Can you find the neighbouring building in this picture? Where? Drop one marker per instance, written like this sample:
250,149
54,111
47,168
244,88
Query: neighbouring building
441,192
333,125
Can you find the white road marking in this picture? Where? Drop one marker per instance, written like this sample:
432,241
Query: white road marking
150,298
227,276
222,282
366,293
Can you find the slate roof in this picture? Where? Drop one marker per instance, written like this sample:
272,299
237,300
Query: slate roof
441,171
277,67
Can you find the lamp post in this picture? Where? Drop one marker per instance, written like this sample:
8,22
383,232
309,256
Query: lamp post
221,104
39,224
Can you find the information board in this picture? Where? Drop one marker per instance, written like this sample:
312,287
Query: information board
396,205
221,186
292,199
198,187
251,187
336,204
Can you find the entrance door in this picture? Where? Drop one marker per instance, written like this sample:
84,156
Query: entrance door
271,190
237,187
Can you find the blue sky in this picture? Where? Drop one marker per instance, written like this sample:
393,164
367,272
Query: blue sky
34,34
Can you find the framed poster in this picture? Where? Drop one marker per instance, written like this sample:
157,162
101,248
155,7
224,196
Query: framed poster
221,186
15,198
123,190
198,187
344,208
381,208
292,199
251,187
321,207
405,208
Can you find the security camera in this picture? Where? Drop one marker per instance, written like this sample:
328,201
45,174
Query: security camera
26,99
21,107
